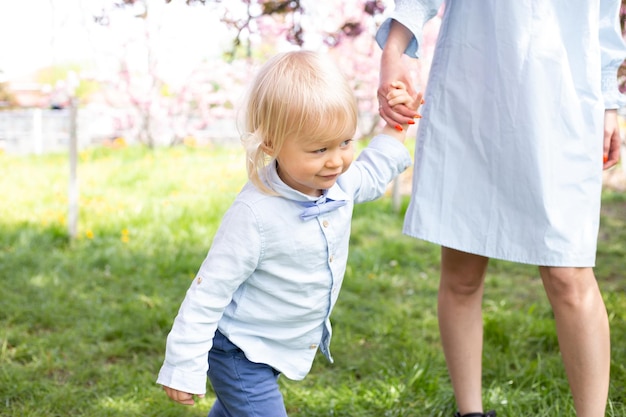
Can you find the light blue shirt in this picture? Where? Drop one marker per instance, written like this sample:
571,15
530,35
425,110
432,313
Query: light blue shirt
508,162
271,279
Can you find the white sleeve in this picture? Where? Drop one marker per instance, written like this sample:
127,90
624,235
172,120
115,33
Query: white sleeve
613,52
413,14
234,255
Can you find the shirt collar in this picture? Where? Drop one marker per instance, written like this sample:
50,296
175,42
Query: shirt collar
335,192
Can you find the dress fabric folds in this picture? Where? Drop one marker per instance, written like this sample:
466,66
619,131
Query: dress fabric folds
508,160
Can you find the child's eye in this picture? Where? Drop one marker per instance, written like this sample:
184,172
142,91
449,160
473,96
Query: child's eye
346,143
321,150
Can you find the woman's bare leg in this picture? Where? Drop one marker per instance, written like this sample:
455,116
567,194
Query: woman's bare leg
583,330
461,324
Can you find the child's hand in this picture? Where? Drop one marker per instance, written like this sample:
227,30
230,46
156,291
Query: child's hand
399,95
181,397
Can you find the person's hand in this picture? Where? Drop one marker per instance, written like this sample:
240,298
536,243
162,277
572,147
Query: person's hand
612,139
180,396
398,95
393,68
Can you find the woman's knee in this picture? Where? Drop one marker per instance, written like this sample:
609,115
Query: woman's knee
569,285
462,273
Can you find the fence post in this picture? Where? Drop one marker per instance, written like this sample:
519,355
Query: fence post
37,132
396,197
72,219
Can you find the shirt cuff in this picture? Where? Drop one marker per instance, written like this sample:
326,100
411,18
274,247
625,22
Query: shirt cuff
413,17
181,380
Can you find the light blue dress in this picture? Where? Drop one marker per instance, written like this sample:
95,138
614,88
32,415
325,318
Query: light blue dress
508,162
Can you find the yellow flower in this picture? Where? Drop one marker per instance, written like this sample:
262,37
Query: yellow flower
190,141
125,235
89,234
119,142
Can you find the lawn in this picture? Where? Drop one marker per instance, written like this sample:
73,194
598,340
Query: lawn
83,322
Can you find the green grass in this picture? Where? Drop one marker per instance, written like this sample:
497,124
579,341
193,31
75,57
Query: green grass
83,322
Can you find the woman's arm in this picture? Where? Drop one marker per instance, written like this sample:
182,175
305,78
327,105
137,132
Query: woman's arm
613,52
399,35
393,68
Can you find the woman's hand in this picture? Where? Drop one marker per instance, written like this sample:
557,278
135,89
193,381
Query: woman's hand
399,96
393,68
612,139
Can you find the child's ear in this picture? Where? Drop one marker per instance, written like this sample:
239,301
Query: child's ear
267,148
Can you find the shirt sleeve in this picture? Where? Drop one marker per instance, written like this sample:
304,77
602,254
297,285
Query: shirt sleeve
413,14
233,256
613,52
377,165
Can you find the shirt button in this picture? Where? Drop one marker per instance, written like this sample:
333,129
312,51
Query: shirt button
313,347
330,259
325,223
199,280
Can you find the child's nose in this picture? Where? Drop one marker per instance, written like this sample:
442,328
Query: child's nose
334,159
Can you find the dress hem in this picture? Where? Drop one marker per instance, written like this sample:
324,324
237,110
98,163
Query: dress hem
565,263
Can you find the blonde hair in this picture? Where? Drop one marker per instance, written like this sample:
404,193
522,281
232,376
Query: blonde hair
299,95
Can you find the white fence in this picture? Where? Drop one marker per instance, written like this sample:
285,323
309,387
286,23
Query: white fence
38,131
34,131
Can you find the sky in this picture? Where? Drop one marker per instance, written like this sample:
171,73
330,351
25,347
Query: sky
37,34
40,33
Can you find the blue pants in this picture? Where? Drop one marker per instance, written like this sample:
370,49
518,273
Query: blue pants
242,388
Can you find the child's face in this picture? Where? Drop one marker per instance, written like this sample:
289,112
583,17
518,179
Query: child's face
312,166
